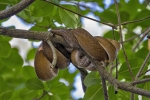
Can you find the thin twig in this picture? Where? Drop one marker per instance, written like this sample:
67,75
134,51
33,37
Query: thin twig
121,40
135,36
44,92
140,81
81,5
144,72
105,92
130,39
15,9
117,57
135,21
111,25
144,34
142,67
140,71
54,53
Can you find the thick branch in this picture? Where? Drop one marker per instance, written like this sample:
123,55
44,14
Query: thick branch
15,9
57,39
31,35
120,85
105,92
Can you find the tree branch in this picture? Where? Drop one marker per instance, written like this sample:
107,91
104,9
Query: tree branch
142,67
135,21
111,25
144,34
15,9
121,39
36,35
105,92
144,72
131,38
121,85
57,39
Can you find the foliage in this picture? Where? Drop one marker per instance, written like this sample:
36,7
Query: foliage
19,82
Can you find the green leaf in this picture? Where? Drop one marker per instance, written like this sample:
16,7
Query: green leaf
111,93
142,53
108,16
3,85
26,16
56,97
4,38
94,92
66,75
91,79
31,54
34,84
46,22
135,66
146,86
26,94
69,19
142,14
6,95
58,89
28,72
124,16
41,8
129,54
14,60
4,2
110,35
2,6
123,95
5,49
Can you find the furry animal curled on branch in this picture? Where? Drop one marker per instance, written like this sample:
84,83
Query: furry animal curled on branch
97,48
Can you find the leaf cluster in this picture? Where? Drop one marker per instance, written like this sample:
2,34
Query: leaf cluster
19,82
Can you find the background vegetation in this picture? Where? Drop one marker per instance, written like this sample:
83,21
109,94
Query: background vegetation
19,82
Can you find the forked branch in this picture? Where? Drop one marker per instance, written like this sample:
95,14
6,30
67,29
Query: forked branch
57,39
